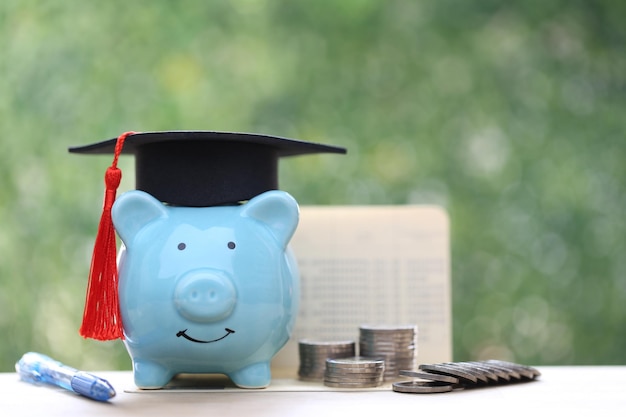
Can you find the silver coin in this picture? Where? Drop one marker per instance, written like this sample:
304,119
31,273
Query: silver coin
353,376
320,351
312,342
534,371
313,347
430,376
353,380
375,367
317,357
364,340
480,375
474,373
503,374
354,372
392,356
526,371
512,374
357,371
421,387
352,385
388,337
396,344
488,374
442,368
313,355
354,362
325,346
386,350
385,327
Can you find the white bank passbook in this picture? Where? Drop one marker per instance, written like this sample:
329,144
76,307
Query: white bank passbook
375,265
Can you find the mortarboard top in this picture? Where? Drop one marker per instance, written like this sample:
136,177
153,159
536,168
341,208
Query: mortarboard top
206,168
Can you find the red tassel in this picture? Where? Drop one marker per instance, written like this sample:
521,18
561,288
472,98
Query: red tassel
102,319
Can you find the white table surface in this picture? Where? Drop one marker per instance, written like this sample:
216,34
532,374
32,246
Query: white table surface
559,391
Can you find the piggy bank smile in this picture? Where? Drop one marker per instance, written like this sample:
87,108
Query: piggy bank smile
183,333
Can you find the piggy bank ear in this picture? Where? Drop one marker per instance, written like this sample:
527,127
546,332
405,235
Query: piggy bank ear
132,211
276,209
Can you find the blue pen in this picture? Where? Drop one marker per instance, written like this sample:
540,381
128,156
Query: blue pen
37,368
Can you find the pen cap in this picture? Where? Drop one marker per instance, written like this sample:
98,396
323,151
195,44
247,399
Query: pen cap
91,386
179,168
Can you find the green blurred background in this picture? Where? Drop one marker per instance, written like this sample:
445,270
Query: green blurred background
511,115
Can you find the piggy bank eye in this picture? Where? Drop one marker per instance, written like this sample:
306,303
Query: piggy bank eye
181,246
231,245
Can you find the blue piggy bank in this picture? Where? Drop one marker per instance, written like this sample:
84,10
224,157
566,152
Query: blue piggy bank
206,290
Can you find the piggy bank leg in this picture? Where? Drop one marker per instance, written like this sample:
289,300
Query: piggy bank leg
150,375
257,375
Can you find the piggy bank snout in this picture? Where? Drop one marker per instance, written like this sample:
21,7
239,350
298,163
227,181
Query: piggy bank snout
205,296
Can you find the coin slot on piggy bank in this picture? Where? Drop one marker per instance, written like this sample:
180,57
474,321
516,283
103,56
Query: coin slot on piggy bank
205,281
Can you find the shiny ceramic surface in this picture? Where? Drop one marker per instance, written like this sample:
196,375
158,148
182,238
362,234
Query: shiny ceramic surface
206,290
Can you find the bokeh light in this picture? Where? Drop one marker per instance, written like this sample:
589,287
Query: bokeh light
509,115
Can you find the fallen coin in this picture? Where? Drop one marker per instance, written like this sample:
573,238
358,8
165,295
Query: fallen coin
526,371
445,369
480,375
430,376
417,387
507,374
481,368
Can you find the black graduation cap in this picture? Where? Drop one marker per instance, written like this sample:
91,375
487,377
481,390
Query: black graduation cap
206,168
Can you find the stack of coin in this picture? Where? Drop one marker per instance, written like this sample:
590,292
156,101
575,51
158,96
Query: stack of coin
355,372
313,355
397,345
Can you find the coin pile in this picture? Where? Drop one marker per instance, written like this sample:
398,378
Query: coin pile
313,355
355,372
397,345
448,376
